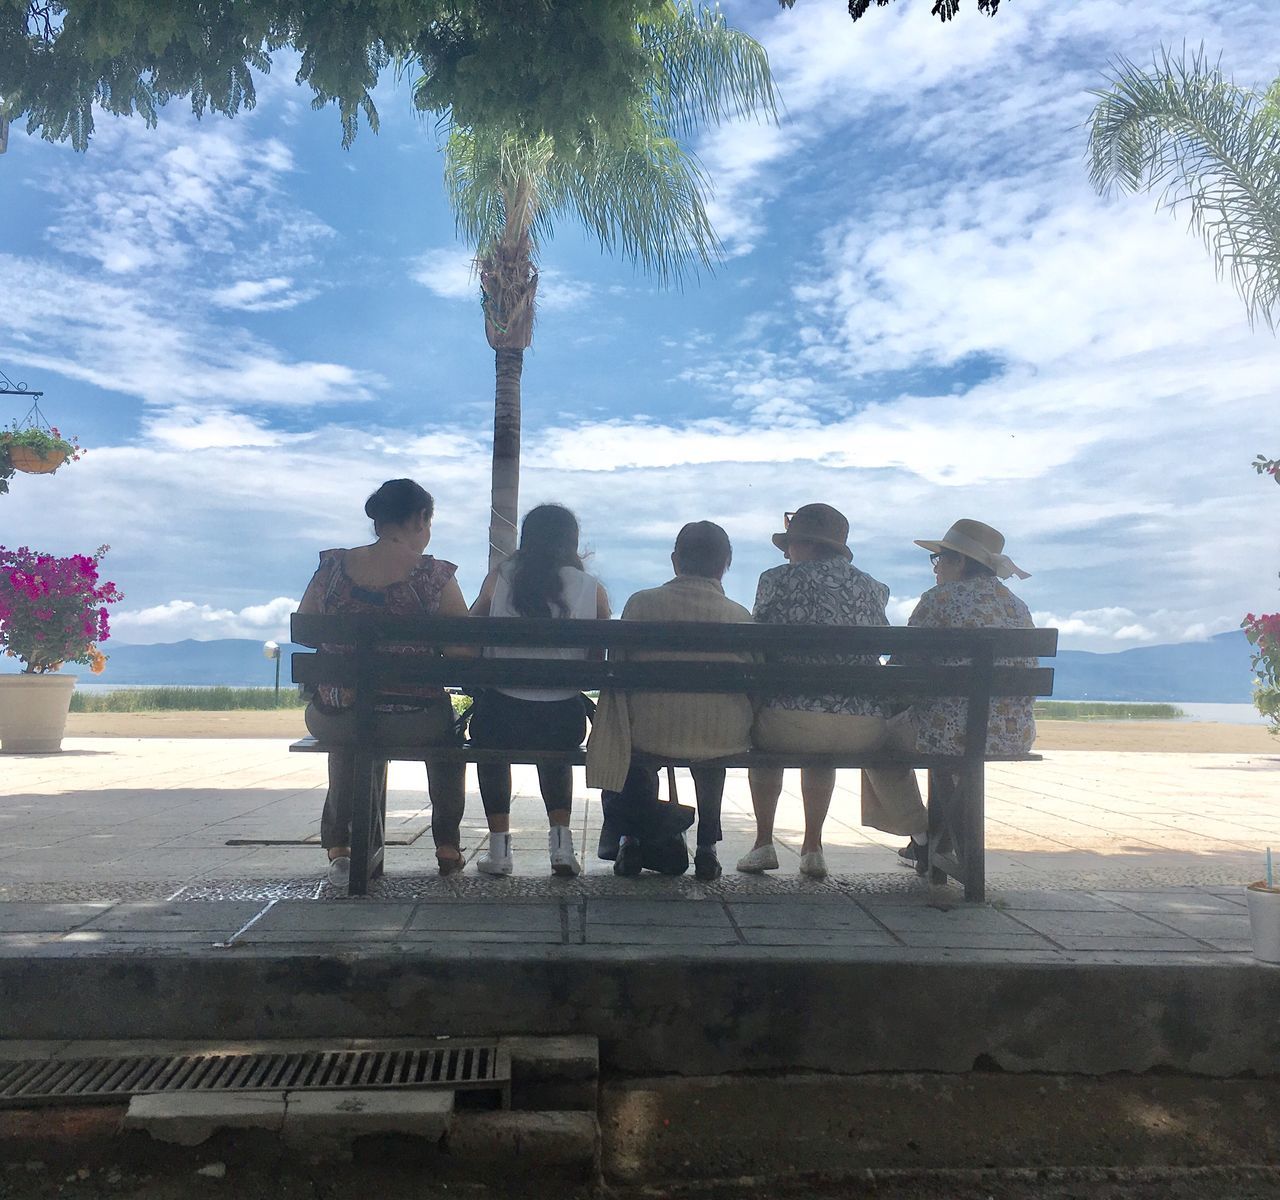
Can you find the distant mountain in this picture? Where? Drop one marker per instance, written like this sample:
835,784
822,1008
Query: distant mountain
1211,672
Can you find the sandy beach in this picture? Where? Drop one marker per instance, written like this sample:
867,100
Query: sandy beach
1181,737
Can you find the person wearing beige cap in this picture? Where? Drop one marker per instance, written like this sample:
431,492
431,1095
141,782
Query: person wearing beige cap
818,585
969,564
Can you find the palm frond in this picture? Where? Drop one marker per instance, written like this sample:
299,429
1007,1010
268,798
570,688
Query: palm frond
494,183
644,201
705,71
1183,129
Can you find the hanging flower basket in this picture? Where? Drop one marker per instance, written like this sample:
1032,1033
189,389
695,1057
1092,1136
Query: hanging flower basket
34,447
25,458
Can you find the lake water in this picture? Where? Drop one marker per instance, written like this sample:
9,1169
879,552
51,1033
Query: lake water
81,686
1222,714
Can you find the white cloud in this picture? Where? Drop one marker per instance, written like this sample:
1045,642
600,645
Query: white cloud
176,197
160,346
261,295
1105,628
447,272
186,430
900,608
179,620
558,292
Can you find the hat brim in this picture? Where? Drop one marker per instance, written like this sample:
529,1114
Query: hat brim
781,539
939,547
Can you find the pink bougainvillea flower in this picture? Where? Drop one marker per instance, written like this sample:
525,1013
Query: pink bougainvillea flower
52,609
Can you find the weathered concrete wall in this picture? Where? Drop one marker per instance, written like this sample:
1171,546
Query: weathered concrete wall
689,1013
778,1128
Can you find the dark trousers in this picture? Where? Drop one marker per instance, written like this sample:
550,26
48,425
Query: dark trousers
446,782
636,811
502,722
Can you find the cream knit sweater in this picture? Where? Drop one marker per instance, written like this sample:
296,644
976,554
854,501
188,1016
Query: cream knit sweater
681,724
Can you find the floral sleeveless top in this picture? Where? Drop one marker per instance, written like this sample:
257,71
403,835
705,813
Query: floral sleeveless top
419,595
982,603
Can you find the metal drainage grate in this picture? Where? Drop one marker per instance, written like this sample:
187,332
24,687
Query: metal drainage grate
475,1066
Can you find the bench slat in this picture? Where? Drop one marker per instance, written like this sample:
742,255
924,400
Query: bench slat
653,636
682,676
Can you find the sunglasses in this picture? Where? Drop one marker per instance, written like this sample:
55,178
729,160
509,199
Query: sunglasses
935,559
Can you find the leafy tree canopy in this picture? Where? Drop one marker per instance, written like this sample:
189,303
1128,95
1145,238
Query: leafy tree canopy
529,66
944,10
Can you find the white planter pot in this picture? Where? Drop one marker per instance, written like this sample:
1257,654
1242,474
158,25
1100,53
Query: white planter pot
1264,921
33,712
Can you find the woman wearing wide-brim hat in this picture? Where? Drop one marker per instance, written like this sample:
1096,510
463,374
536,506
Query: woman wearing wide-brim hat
818,585
969,564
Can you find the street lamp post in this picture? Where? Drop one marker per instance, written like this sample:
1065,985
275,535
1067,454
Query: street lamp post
271,650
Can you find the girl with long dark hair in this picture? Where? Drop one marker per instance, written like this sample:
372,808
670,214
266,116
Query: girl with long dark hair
544,578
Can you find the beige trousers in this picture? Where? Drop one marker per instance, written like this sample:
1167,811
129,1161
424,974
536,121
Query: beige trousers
890,795
783,729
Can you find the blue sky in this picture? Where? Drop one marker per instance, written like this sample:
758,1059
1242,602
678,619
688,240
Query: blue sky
925,314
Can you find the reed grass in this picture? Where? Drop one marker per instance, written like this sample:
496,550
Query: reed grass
183,699
1098,710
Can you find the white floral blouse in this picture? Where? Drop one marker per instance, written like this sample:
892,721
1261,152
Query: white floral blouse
829,591
978,603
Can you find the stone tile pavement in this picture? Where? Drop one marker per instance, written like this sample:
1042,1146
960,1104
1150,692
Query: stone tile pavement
1183,924
154,818
119,846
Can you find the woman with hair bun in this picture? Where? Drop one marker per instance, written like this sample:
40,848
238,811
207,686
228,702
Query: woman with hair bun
391,575
544,578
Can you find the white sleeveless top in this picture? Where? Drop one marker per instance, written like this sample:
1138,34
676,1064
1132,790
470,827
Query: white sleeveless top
578,590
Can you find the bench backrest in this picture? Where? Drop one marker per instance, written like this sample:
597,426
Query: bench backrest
355,655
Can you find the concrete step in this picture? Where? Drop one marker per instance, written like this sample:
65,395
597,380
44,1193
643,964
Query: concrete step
692,1010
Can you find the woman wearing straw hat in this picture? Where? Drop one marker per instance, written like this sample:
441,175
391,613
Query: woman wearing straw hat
969,563
818,585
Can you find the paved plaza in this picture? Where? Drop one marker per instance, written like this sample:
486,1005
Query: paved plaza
118,842
114,817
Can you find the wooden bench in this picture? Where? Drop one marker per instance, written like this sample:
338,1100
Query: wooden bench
354,656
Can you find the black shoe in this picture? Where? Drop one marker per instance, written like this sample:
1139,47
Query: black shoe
705,863
907,855
630,860
922,859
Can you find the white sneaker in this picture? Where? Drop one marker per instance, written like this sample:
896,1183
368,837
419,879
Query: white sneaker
560,845
498,859
762,858
813,866
340,872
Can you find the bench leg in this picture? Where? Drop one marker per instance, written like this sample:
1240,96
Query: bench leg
378,835
941,794
973,803
364,818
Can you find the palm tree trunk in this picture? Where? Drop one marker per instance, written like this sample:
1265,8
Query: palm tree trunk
505,495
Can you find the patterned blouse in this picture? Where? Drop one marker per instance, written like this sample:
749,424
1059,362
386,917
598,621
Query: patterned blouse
982,602
417,595
829,591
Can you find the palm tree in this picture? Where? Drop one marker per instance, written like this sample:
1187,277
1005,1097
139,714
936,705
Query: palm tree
1209,147
638,189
